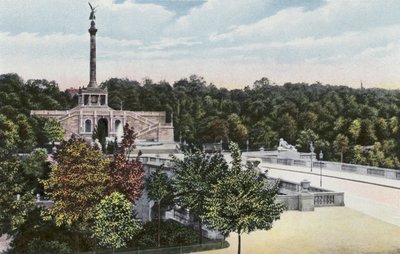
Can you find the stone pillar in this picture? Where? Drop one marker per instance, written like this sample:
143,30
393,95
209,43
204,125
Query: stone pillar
92,32
306,199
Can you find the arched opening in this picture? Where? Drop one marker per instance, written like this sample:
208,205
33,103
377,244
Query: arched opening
102,126
119,130
88,125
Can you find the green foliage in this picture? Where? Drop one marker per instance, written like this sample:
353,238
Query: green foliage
38,245
27,140
37,232
172,234
77,181
9,137
202,113
53,130
237,130
341,145
194,176
13,212
240,202
159,188
304,139
35,169
114,224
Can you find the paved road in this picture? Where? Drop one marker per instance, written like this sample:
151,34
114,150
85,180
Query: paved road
374,196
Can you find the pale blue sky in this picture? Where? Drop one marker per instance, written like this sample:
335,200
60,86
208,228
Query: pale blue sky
230,43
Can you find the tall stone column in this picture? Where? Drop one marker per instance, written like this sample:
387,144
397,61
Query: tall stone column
92,32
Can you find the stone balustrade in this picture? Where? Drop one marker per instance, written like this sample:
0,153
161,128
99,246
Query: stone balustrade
305,161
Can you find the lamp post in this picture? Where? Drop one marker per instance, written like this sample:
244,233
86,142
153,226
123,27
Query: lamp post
247,145
321,156
312,152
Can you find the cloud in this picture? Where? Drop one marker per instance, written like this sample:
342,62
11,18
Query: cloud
127,20
231,43
218,15
335,17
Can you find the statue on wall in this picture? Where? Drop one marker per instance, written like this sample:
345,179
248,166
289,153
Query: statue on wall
92,16
97,144
284,146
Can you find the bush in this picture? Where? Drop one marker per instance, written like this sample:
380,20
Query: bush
37,245
172,234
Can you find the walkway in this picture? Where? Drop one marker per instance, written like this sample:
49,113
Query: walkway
335,230
374,196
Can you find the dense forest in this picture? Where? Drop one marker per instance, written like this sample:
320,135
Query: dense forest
353,125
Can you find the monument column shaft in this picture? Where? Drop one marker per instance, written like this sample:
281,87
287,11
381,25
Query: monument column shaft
92,32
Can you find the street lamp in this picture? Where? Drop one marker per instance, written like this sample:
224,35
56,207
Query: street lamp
247,145
321,156
312,152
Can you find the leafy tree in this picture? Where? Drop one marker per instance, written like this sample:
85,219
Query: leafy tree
13,211
26,136
341,145
34,169
53,130
355,129
287,127
237,130
213,129
8,137
194,176
304,139
263,135
240,202
126,175
358,155
76,182
114,223
159,188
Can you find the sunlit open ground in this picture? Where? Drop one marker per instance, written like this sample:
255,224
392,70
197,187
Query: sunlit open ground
326,230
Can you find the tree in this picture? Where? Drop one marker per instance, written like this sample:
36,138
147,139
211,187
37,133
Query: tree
237,130
355,129
240,202
14,209
77,181
8,137
26,136
114,223
35,167
304,139
53,130
194,176
262,134
341,145
126,175
159,187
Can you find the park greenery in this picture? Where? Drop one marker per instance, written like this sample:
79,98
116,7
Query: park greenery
349,125
241,202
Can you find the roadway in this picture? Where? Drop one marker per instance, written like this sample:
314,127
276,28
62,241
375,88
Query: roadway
374,196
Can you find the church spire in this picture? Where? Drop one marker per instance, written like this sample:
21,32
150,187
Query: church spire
92,32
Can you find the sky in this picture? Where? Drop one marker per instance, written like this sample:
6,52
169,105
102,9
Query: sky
231,43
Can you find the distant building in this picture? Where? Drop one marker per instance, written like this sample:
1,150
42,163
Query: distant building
93,111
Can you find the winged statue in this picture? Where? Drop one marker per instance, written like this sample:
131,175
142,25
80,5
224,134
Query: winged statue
92,16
